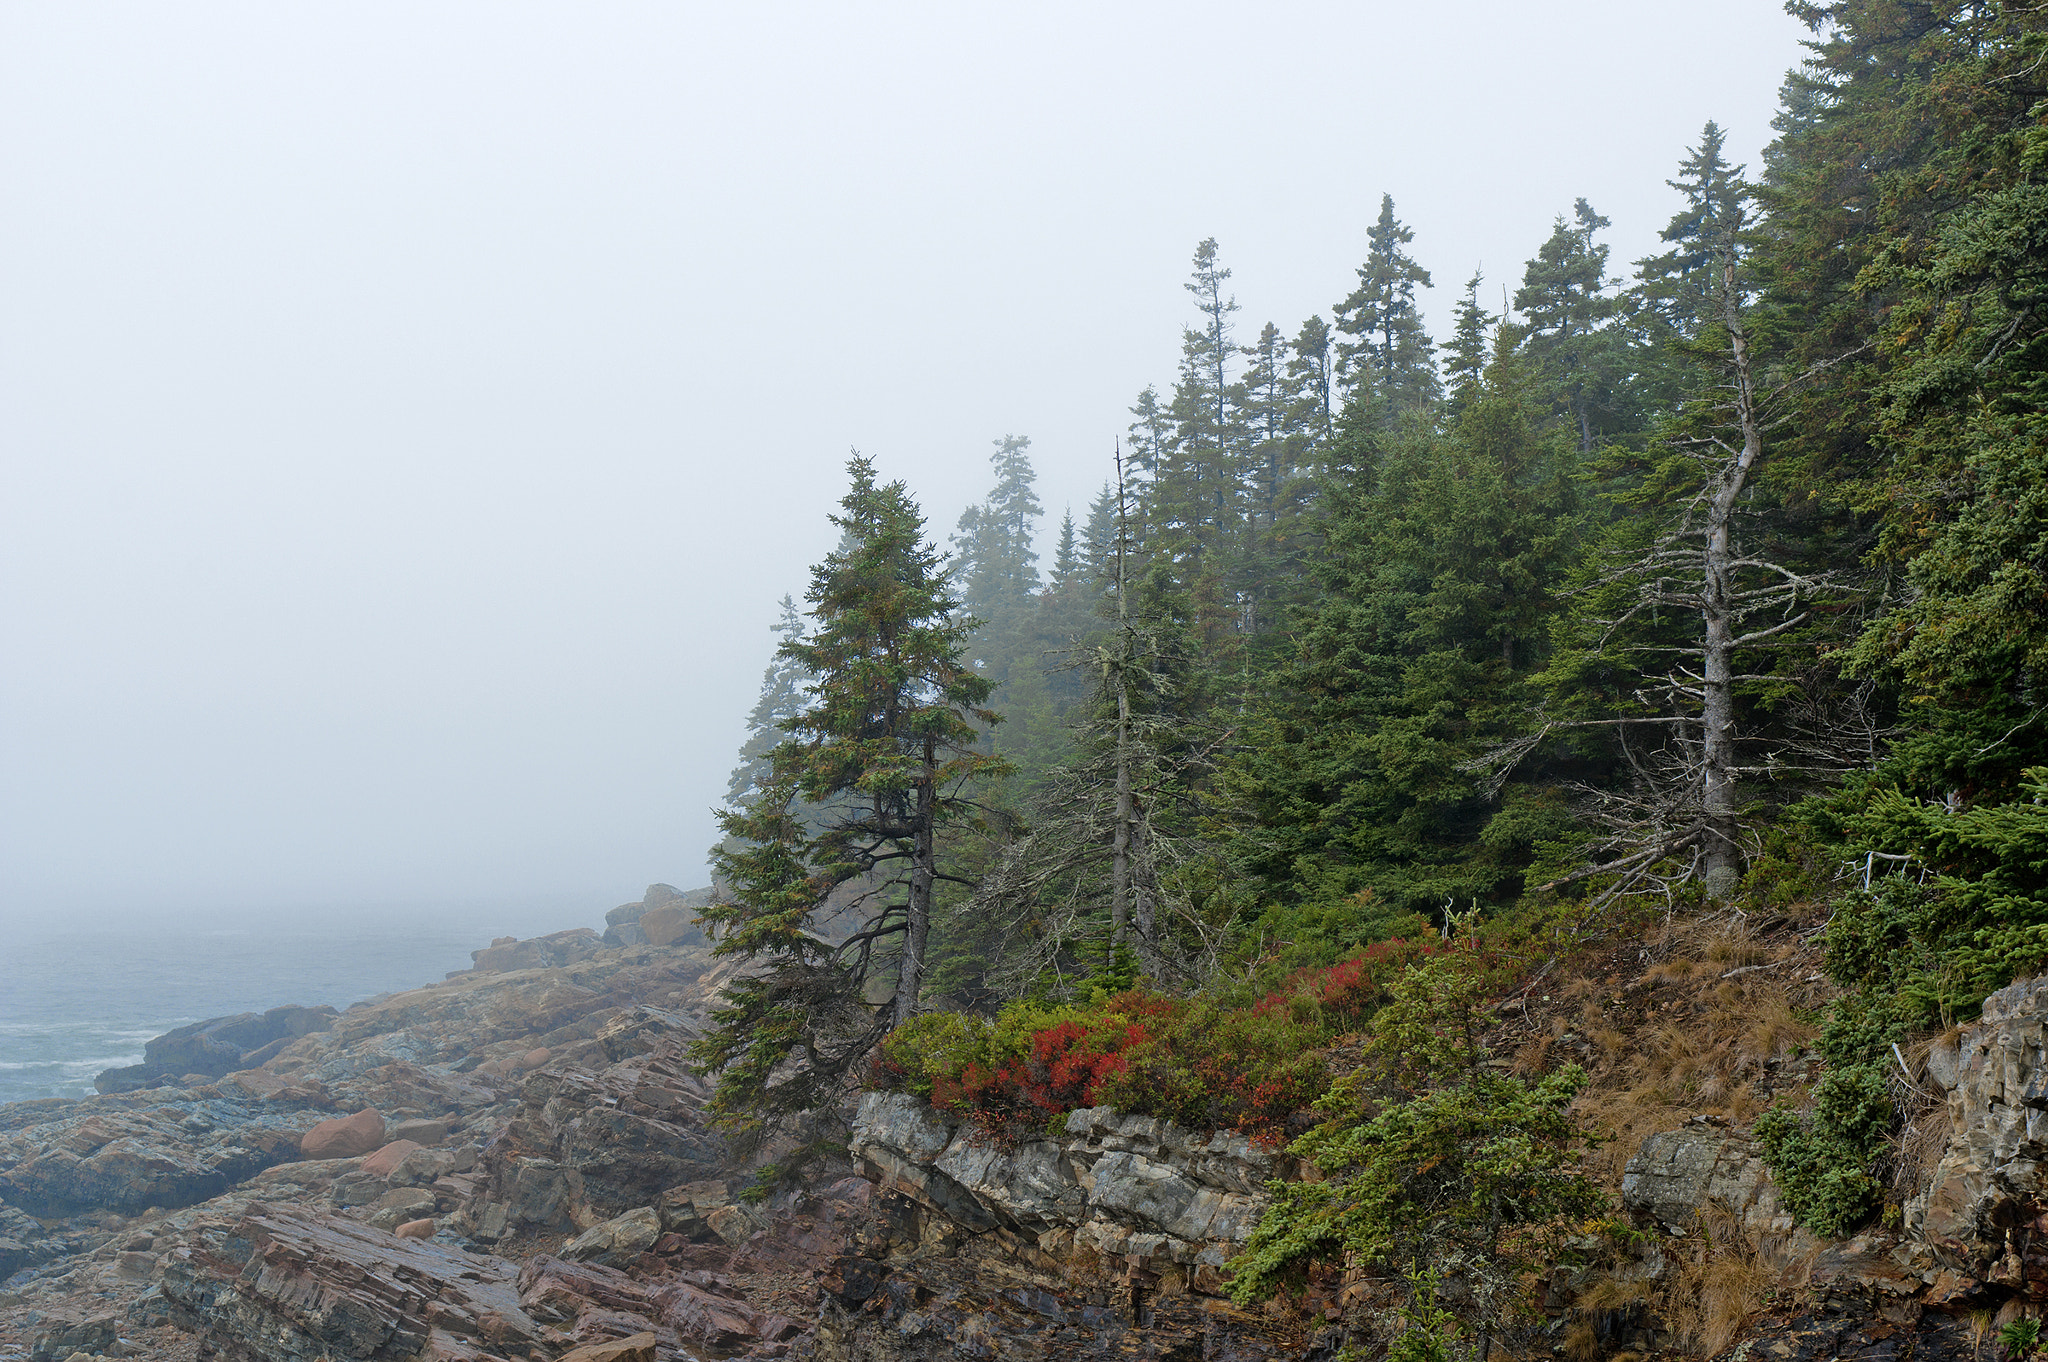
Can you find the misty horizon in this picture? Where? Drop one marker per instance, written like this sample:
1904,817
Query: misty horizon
414,417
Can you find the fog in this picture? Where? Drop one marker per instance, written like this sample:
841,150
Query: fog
411,414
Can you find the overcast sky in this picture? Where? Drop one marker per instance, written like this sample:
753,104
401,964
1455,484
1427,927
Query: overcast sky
411,413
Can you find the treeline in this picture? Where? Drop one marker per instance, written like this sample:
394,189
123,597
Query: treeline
1683,580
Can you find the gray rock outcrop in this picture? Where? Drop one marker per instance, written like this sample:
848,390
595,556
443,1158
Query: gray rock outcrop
1132,1187
1678,1175
216,1047
1985,1210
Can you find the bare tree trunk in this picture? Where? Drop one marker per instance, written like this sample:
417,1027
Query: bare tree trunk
923,875
1126,813
1146,907
1721,855
1126,803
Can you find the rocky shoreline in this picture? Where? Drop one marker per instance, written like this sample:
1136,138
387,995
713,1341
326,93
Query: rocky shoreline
514,1163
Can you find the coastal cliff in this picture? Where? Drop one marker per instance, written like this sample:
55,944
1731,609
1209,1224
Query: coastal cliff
516,1163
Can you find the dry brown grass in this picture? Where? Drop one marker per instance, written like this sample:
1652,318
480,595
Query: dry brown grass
1702,1049
1925,1127
1720,1281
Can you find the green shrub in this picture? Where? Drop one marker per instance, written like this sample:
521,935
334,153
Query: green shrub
1822,1163
1426,1153
934,1046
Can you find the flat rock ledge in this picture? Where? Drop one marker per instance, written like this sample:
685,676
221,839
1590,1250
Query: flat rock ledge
1130,1187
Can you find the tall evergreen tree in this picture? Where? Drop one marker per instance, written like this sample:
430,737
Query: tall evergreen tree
1565,305
1702,591
1439,582
1906,277
1312,383
887,741
1102,871
782,699
1683,286
1196,493
1471,344
1387,362
995,560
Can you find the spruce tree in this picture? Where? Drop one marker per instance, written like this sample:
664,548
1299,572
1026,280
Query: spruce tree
1197,491
1439,580
887,742
1682,287
1906,277
1565,305
1471,344
1312,383
782,698
995,561
1387,364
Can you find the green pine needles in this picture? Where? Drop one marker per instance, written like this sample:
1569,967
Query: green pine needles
1434,1163
839,919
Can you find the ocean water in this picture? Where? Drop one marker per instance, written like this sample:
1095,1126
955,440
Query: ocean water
77,997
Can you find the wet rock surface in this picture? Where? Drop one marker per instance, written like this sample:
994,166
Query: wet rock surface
515,1164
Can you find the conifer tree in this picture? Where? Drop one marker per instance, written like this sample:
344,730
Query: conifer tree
1099,873
995,561
1197,490
1312,383
782,698
887,741
1565,307
1438,582
1906,274
1066,557
1470,346
1682,287
1387,363
1693,588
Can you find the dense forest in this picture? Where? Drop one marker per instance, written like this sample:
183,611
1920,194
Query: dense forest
1386,664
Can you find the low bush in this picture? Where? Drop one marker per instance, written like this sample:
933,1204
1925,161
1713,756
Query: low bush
1200,1062
1821,1162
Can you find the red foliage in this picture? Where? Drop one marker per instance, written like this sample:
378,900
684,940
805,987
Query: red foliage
1065,1068
1349,988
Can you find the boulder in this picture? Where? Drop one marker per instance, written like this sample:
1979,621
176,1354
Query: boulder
344,1137
219,1045
129,1078
617,1241
1679,1173
24,1242
287,1284
387,1158
126,1159
1986,1205
731,1223
134,1266
534,1059
541,952
424,1166
401,1205
416,1229
643,1029
638,1348
61,1335
670,925
624,914
419,1132
1121,1186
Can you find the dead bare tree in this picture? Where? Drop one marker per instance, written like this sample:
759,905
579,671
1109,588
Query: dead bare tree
1681,815
1049,885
